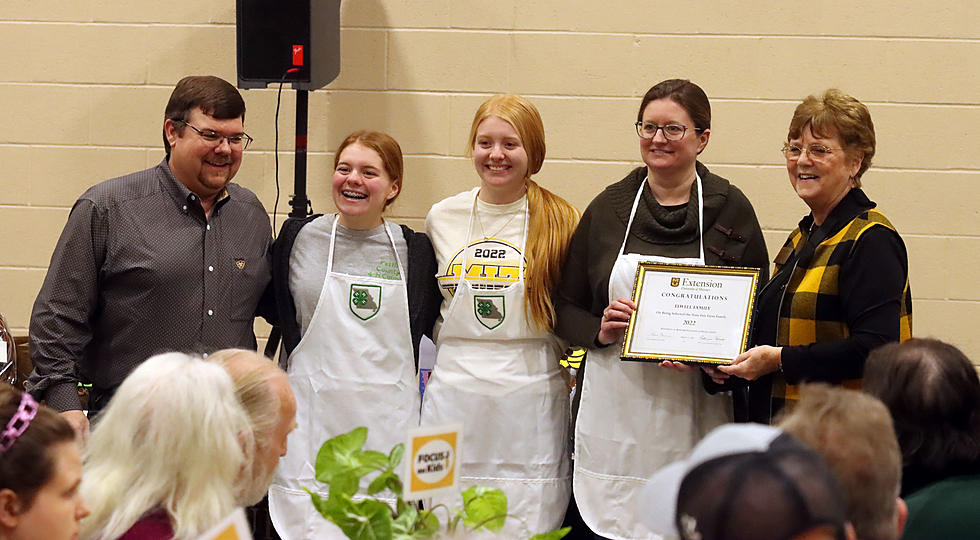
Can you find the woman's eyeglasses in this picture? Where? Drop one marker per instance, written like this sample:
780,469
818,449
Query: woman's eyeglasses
672,132
816,152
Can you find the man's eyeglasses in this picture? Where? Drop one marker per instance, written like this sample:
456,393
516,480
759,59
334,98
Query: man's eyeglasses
241,140
672,132
816,152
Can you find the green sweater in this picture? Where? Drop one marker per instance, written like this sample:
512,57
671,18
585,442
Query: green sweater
946,509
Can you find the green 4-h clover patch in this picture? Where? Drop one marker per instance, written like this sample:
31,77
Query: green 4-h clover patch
365,300
489,310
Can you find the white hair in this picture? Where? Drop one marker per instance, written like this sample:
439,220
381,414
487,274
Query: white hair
169,440
252,374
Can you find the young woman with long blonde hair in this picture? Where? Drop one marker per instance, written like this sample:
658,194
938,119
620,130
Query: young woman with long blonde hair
499,249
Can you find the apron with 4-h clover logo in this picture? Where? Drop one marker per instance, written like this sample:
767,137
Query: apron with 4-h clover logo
500,377
353,367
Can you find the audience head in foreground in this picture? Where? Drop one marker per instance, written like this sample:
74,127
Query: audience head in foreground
166,455
746,481
933,393
853,433
264,391
40,471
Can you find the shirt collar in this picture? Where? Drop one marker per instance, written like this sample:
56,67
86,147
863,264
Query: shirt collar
179,192
855,203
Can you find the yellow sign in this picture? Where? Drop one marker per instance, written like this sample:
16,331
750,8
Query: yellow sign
232,527
431,464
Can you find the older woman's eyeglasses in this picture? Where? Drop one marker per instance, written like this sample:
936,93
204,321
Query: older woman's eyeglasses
241,140
816,152
672,132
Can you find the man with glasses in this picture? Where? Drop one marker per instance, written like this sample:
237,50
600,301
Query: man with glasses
172,258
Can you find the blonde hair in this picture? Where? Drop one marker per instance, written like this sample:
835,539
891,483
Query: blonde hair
835,111
552,219
170,440
251,373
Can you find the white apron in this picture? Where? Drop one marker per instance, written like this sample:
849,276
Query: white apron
635,417
501,379
353,367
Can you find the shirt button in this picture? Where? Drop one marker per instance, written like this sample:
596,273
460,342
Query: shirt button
210,312
205,355
185,208
209,226
210,269
193,198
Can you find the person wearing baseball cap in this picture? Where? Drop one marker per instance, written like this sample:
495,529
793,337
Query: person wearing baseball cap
746,481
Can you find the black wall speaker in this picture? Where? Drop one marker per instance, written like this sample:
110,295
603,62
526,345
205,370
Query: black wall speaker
275,36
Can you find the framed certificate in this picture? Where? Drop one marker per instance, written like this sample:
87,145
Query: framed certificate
691,314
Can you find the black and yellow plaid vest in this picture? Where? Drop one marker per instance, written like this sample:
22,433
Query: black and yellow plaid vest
813,289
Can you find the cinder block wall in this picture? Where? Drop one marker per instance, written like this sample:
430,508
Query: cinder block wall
83,86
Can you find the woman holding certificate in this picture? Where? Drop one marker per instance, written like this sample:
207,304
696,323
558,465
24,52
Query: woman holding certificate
635,417
841,284
499,247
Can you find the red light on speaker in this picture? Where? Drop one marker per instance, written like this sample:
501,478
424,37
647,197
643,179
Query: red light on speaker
297,55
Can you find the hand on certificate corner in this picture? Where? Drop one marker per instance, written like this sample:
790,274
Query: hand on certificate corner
755,362
615,319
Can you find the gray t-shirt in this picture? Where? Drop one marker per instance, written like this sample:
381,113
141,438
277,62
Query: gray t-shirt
357,253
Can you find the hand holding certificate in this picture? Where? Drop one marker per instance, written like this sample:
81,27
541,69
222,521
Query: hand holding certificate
690,314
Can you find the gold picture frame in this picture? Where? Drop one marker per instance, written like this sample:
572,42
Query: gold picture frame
690,313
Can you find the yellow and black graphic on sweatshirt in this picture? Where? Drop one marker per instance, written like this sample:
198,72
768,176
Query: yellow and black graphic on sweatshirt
491,264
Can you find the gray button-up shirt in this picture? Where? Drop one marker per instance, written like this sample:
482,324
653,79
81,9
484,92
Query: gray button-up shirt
140,270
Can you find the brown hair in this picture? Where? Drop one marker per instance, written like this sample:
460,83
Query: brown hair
686,94
933,393
386,147
552,219
854,434
28,464
215,97
836,112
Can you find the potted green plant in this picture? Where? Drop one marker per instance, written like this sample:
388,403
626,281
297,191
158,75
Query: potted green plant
342,462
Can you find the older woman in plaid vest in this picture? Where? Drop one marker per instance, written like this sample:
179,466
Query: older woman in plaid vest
840,286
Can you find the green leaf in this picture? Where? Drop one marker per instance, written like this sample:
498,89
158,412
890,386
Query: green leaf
402,506
322,505
484,507
339,455
395,456
370,461
552,535
364,520
395,484
427,524
405,521
345,483
380,483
